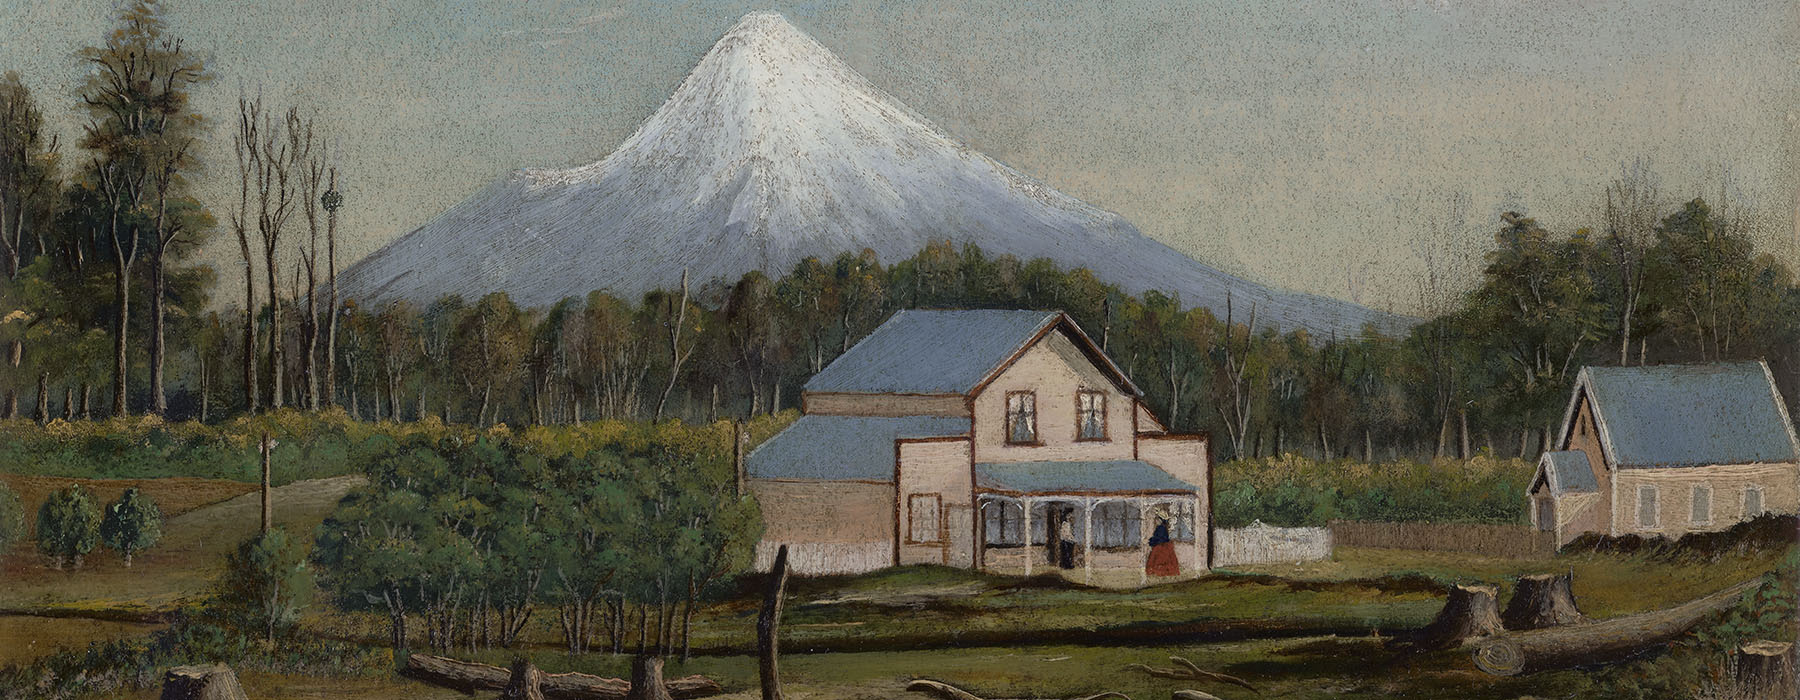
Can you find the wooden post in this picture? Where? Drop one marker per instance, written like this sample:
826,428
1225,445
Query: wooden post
268,511
768,626
1202,559
1087,540
1026,504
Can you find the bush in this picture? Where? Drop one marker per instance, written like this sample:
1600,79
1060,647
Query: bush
68,526
1293,491
132,524
266,585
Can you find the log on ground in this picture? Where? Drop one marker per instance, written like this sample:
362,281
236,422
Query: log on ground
1542,600
469,677
215,682
1600,642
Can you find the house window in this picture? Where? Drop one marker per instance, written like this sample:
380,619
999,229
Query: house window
1116,524
1090,415
923,514
1021,418
1646,506
1753,502
1702,510
1181,520
1004,522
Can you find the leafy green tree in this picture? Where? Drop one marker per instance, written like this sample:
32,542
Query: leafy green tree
266,585
68,526
132,524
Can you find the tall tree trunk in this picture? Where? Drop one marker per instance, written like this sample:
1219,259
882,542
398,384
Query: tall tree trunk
1463,446
121,327
275,340
43,399
331,303
68,403
159,400
251,400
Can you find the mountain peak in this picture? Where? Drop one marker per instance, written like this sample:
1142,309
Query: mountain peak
771,151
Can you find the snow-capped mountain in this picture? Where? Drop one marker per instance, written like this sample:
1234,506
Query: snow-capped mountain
771,151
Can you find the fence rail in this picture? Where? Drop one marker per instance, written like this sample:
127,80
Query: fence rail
1259,543
1508,541
826,559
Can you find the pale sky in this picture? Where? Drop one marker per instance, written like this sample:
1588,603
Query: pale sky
1303,144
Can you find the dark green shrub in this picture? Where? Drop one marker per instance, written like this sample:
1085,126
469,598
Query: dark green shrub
132,524
68,526
266,585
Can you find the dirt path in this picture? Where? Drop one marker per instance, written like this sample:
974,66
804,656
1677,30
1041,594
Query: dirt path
180,567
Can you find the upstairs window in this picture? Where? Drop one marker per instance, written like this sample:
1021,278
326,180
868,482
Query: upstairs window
1021,418
1702,510
1090,415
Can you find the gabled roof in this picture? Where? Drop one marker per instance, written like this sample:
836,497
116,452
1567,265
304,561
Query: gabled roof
854,448
1567,471
945,352
1116,476
1687,415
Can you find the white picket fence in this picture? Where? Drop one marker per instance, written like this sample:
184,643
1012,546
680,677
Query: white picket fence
1259,544
824,559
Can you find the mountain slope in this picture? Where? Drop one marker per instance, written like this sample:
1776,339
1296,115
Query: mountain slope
771,151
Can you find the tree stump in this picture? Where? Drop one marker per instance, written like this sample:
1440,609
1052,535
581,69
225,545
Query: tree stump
1470,611
215,682
1765,669
1542,600
647,679
526,683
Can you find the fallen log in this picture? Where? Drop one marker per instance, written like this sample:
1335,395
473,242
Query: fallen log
215,682
1603,641
469,677
1192,695
1542,600
951,692
1469,612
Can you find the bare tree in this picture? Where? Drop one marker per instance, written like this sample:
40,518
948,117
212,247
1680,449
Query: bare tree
275,205
312,179
335,200
674,322
248,143
1630,219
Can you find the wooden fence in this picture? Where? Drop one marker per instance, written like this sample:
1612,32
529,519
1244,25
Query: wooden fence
825,559
1259,543
1508,541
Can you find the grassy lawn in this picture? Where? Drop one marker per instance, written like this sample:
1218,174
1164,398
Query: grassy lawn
26,637
178,568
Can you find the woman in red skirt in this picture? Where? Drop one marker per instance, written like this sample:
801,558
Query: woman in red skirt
1162,561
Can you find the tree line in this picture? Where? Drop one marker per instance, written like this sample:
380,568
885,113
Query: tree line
86,235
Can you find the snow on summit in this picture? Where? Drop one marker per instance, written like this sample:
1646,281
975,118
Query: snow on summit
771,151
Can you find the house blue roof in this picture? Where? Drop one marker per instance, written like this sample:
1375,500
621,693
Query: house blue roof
1688,415
1124,476
1569,472
931,352
843,447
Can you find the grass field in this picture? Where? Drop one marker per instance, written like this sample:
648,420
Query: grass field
1296,631
179,568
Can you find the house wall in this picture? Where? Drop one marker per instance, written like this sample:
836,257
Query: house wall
1578,514
1054,369
939,467
1780,494
830,527
833,404
1584,434
1186,457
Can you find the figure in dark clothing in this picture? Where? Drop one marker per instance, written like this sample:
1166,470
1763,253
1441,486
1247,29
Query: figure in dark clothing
1162,560
1065,541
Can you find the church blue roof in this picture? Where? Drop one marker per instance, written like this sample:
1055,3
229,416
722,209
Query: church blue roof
1569,472
1691,415
931,352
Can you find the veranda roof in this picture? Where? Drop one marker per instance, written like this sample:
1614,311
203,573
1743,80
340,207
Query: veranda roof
1123,476
843,447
